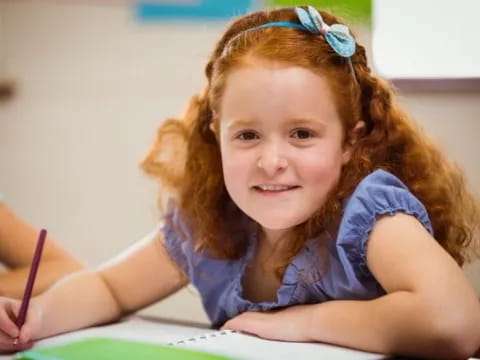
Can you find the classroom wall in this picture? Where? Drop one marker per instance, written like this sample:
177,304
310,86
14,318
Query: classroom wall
93,85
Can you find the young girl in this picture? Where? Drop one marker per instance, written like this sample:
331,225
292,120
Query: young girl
300,201
17,245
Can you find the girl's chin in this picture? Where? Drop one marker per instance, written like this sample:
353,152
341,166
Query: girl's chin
278,224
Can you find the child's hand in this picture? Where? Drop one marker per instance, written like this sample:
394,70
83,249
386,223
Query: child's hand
290,324
11,338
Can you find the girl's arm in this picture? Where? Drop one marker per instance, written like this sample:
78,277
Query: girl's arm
17,244
430,309
142,275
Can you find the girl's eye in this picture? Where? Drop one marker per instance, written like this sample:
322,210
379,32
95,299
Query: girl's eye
247,135
302,134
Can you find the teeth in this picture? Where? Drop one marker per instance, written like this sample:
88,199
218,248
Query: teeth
274,187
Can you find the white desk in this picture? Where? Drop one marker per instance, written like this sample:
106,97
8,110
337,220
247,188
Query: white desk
236,345
134,328
162,332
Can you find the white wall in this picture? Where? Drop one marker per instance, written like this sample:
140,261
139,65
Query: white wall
93,86
427,38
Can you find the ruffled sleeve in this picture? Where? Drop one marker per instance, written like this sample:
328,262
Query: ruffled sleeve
177,238
378,194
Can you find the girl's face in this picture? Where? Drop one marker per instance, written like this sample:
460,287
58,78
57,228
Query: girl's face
281,141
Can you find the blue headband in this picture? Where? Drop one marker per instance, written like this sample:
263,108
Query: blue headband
336,35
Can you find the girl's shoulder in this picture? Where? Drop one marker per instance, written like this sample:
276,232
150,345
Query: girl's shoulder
382,193
378,194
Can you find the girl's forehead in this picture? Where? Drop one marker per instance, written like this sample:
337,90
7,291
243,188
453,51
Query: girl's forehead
277,90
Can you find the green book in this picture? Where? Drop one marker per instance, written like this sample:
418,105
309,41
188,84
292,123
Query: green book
114,349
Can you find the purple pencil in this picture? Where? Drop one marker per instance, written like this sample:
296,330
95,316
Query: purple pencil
22,314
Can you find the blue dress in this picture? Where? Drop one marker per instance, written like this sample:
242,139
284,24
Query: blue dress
344,274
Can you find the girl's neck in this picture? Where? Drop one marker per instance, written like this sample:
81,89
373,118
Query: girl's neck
273,238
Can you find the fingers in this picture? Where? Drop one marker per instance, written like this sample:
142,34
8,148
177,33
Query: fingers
235,323
11,338
7,345
7,324
27,332
31,326
5,340
247,322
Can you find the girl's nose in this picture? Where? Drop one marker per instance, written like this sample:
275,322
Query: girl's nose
272,161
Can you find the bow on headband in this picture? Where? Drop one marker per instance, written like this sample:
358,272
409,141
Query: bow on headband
337,35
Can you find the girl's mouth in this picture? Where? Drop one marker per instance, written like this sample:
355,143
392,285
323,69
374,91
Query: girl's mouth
274,189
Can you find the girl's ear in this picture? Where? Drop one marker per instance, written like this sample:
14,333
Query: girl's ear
355,134
212,127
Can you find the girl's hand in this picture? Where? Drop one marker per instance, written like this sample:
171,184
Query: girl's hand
11,338
290,324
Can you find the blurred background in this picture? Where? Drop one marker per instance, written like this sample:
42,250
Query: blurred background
85,83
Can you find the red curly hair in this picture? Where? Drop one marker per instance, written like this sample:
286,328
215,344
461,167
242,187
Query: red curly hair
192,173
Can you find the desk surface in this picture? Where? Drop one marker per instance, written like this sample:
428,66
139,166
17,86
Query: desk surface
236,345
134,328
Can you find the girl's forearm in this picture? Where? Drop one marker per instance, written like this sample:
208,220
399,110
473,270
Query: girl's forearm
12,282
17,245
18,240
79,300
397,323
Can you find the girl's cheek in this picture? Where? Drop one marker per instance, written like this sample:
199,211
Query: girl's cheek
318,168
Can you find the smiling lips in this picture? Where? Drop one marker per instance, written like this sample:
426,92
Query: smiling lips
274,188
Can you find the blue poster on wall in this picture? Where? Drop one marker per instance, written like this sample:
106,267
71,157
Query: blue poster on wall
192,9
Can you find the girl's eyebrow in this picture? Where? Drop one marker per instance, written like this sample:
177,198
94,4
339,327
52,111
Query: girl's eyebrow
241,123
235,123
307,121
318,124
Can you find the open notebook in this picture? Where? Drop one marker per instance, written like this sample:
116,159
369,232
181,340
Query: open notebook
242,346
215,345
